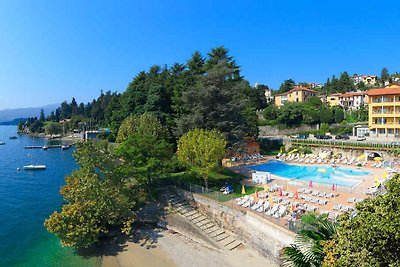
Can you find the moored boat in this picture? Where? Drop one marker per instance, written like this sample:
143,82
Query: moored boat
34,167
13,137
2,143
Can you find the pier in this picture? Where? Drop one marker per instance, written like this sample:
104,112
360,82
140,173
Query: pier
43,147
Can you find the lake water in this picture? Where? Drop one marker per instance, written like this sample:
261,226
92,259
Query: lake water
27,198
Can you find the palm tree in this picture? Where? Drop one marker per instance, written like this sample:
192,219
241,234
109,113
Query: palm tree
307,251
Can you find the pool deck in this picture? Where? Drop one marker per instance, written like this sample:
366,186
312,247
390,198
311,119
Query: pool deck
292,185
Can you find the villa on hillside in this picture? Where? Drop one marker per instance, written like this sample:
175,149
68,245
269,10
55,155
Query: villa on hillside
297,94
384,111
333,100
353,100
366,79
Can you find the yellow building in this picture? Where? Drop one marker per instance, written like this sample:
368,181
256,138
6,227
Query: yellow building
384,111
297,94
333,100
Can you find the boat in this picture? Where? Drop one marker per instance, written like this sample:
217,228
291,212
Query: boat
65,147
2,143
34,167
13,137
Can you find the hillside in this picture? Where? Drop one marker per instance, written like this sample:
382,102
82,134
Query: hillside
7,115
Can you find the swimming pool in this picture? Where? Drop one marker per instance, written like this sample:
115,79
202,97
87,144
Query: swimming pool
320,174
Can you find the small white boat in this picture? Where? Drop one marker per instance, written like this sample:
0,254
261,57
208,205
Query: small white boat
2,143
34,167
65,147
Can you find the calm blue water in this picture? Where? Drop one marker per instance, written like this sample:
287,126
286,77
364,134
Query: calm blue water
27,198
320,174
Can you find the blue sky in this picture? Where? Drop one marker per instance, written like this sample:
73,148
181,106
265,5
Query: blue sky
51,51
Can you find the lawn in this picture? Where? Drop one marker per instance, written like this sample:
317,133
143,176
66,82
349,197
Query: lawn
237,192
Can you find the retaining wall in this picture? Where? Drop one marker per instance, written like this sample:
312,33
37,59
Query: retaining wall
263,235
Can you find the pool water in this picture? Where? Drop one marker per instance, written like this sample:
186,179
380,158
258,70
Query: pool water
320,174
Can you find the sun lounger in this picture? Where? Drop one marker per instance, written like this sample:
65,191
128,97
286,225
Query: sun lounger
323,202
307,191
315,193
321,194
358,200
314,200
285,202
243,200
311,208
344,208
258,204
351,200
290,195
281,211
337,207
329,195
301,190
272,211
332,215
264,207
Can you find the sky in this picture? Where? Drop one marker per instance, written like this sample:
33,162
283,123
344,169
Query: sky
51,51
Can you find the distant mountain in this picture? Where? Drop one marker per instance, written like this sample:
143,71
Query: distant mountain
13,122
8,115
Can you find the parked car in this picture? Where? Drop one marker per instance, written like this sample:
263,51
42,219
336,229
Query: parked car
322,136
302,137
361,138
342,137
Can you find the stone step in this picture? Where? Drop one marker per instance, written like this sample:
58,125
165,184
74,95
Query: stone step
227,241
185,210
212,229
194,216
191,213
207,226
217,233
203,222
179,205
199,219
234,245
222,236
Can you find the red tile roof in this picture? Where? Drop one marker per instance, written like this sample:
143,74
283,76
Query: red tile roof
350,94
299,88
394,90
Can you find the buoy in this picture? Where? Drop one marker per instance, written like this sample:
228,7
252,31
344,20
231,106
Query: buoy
18,169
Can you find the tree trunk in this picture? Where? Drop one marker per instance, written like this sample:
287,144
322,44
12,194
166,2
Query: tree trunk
206,182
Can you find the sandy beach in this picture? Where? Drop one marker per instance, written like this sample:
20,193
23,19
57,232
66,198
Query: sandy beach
164,248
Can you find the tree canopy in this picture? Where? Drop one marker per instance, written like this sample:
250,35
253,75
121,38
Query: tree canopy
203,149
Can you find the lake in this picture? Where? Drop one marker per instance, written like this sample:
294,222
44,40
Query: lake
27,198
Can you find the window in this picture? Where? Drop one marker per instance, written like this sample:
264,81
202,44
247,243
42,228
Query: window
297,100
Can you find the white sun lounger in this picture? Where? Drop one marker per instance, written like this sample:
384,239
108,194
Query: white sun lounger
272,211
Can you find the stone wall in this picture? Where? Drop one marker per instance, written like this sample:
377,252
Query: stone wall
263,235
274,131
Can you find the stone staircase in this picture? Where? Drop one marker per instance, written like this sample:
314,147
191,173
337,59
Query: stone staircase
222,237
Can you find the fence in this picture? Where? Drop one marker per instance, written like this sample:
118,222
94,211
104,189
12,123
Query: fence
229,200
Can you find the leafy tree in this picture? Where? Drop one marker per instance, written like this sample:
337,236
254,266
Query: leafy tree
95,199
371,237
53,128
286,86
271,112
308,249
338,114
203,149
219,100
384,76
146,124
326,115
291,114
42,118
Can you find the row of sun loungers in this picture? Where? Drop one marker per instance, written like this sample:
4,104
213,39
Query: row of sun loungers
316,193
276,210
312,159
343,208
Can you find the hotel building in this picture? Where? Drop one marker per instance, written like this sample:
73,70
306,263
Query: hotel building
297,94
384,111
